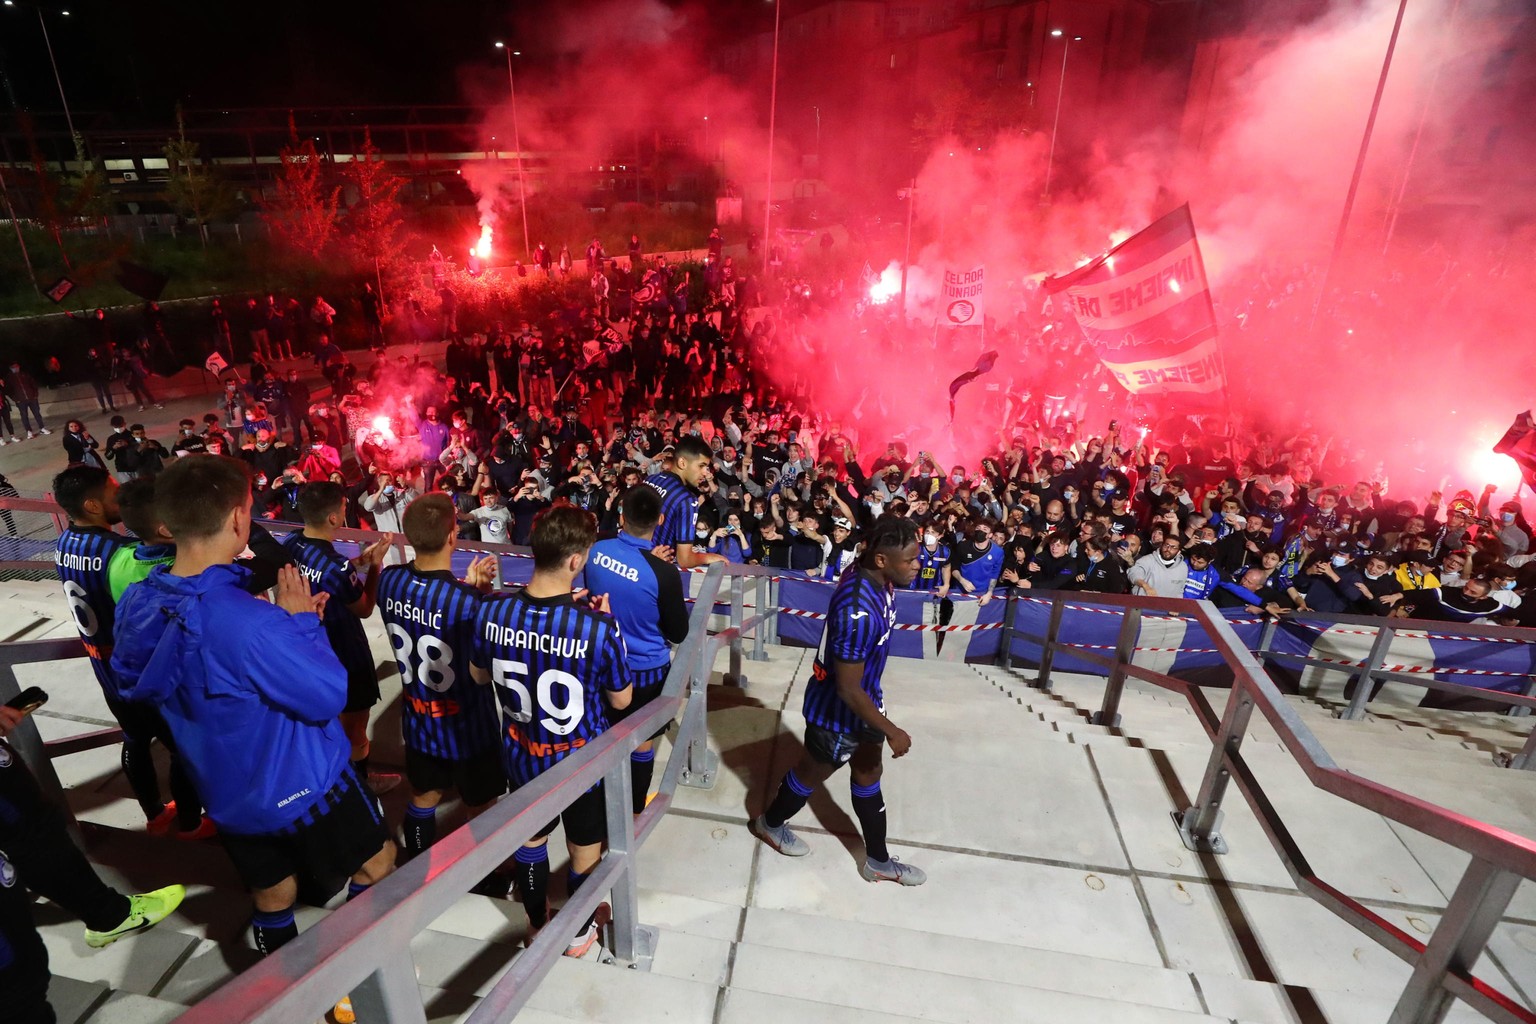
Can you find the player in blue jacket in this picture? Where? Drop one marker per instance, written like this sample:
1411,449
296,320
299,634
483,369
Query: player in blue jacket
646,595
251,692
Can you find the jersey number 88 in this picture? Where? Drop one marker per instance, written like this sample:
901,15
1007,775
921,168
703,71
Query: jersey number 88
434,668
561,718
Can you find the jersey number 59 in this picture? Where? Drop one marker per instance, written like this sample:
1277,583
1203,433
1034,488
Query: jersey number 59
561,717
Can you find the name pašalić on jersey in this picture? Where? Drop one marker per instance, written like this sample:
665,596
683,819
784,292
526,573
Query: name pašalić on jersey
430,619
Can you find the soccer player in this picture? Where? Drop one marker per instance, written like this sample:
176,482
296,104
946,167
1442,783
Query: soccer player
844,711
39,855
692,461
83,558
646,596
252,692
558,667
452,735
323,507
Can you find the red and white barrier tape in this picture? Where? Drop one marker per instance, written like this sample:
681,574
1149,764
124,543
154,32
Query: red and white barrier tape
911,627
1146,650
1408,634
1425,670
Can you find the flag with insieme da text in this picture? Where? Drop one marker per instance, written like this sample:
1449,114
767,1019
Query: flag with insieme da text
1146,308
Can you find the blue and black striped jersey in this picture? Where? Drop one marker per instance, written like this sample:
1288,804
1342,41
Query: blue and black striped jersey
859,623
552,664
430,619
679,510
930,567
80,557
327,569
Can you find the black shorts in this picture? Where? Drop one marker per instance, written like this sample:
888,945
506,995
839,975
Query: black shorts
836,748
343,832
647,687
362,689
586,821
141,721
479,779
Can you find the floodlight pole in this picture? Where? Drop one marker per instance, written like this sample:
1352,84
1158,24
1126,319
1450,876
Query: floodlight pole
1354,181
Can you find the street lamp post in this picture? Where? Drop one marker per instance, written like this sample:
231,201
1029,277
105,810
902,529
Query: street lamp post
517,144
58,80
1354,181
773,109
1061,91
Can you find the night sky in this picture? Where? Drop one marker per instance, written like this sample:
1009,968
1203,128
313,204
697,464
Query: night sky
136,61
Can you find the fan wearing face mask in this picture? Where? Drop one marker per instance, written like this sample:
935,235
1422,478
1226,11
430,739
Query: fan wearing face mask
1513,531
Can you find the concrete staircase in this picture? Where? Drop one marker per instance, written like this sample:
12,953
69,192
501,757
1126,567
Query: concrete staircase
1058,889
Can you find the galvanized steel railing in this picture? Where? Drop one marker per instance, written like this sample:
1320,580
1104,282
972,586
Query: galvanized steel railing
1442,967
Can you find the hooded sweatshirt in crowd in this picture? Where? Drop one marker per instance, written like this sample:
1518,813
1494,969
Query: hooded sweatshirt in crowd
251,693
1165,578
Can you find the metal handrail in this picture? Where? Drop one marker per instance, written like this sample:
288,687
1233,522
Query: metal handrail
1368,672
365,945
1443,967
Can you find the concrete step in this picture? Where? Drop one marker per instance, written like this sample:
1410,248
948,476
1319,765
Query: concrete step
993,961
575,990
980,959
929,995
743,1006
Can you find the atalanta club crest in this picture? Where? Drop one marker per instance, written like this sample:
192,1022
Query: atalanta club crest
7,873
960,312
5,756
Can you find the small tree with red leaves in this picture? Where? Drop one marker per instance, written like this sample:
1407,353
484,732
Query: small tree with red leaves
302,216
374,226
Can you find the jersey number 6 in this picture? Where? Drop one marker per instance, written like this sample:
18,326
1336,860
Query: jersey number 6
561,718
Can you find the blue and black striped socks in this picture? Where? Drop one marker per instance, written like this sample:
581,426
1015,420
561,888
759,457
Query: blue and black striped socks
273,929
869,805
530,878
641,765
419,830
792,796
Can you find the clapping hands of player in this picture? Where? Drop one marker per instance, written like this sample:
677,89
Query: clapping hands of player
597,604
293,594
372,556
481,573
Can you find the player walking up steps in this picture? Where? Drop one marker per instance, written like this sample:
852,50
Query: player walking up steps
844,709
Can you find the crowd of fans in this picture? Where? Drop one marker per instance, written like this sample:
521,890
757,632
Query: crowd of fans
521,415
620,418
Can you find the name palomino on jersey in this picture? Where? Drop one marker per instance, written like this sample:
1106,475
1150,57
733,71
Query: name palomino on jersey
615,566
528,640
412,613
79,563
